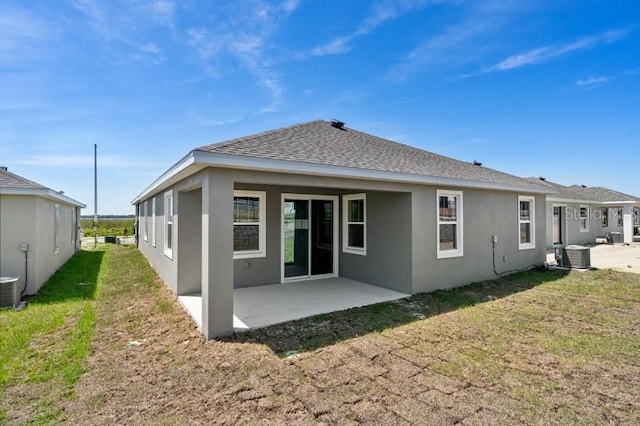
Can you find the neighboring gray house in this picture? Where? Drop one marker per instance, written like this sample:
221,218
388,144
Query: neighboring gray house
578,214
613,206
38,230
318,200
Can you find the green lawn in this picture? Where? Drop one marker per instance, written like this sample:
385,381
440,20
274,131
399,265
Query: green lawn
532,348
44,345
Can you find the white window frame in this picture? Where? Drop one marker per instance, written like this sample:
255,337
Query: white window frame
145,226
169,231
636,216
586,221
532,221
459,251
56,228
604,217
346,248
262,225
620,217
153,221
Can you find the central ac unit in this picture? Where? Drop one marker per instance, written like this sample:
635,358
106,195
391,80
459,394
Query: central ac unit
9,292
576,257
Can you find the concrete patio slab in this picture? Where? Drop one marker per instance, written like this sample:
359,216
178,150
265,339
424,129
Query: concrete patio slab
261,306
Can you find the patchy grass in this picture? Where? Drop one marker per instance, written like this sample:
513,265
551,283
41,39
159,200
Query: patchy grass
532,348
315,332
44,345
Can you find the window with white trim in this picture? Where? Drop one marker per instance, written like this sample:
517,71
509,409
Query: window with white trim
526,222
145,223
354,224
168,224
74,225
56,228
449,223
636,216
583,217
620,217
153,221
605,217
249,224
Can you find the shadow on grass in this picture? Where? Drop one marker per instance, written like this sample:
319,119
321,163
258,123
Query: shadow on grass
75,280
322,330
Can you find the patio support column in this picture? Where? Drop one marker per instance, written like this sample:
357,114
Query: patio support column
217,254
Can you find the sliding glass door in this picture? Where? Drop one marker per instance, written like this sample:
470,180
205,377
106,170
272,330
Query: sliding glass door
309,230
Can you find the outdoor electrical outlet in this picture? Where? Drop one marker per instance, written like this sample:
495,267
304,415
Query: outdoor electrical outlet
246,265
494,238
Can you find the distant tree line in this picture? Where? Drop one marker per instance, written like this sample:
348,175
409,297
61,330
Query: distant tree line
113,226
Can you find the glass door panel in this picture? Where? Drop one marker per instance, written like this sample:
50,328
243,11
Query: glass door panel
322,237
296,238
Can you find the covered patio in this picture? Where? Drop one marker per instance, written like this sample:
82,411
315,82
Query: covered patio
261,306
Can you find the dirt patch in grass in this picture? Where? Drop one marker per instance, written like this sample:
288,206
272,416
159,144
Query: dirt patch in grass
538,347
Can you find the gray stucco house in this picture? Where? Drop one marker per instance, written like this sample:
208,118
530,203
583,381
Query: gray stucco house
318,200
578,214
38,230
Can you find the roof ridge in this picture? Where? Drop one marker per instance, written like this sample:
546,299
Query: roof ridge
253,136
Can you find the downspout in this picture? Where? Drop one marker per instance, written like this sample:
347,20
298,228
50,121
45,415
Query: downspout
26,271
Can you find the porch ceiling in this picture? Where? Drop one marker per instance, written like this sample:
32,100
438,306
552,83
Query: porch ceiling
261,306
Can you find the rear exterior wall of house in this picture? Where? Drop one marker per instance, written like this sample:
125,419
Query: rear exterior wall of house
402,223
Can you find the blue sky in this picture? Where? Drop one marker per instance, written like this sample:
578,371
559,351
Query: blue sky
532,88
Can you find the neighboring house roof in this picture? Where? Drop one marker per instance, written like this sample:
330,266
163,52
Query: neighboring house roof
563,193
605,195
580,193
13,184
12,180
320,148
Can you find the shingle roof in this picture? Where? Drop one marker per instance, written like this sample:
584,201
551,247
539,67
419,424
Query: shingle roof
605,195
12,180
12,184
319,142
563,192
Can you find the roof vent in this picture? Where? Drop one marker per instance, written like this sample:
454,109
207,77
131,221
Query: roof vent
337,124
477,163
4,168
542,178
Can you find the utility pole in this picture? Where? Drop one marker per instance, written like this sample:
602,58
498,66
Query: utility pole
95,195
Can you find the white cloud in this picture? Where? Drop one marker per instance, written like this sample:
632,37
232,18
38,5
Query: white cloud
128,23
22,36
245,37
458,42
547,53
591,81
82,161
381,12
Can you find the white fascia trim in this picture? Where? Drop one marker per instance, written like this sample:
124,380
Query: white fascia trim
162,182
618,202
43,192
286,166
572,201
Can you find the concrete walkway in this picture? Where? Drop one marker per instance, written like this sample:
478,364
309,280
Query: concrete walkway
261,306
